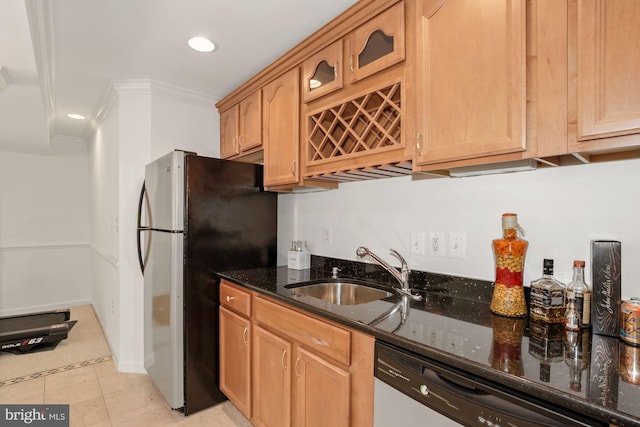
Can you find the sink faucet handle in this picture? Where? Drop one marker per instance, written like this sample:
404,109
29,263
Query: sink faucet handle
334,272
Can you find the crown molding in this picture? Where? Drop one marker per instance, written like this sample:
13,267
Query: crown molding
166,90
40,16
148,87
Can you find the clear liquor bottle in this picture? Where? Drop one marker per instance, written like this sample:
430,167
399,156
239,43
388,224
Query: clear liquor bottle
547,296
578,290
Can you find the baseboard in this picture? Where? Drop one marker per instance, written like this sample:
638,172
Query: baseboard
130,368
44,307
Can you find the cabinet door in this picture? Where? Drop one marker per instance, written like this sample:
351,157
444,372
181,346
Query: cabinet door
321,392
322,73
235,351
470,80
229,132
377,44
271,379
608,68
281,129
250,116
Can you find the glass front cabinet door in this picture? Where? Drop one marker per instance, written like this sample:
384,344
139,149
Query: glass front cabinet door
322,72
377,44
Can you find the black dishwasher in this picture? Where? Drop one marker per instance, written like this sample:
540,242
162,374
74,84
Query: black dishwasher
412,390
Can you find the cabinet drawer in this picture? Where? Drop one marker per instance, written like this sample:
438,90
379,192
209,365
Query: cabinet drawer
322,337
235,298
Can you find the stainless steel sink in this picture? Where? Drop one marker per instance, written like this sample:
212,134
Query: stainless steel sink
341,293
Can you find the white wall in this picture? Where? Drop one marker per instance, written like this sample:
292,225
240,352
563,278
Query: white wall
561,209
103,166
146,120
44,229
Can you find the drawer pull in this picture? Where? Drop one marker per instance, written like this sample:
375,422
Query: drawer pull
244,336
229,298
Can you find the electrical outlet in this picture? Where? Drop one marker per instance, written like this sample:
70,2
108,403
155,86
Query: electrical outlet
417,242
327,235
458,245
436,243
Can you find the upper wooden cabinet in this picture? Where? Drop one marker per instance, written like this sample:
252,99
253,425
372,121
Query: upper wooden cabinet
322,73
608,73
229,120
377,44
373,46
470,79
357,132
281,129
241,127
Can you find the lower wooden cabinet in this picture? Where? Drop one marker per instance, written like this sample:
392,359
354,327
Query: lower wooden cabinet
284,367
235,359
271,379
321,392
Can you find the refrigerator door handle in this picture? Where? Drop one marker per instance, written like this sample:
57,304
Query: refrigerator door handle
140,229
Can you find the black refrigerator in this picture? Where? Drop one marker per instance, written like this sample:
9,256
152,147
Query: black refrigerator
197,216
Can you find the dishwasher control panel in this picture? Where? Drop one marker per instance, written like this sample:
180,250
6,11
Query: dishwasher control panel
463,398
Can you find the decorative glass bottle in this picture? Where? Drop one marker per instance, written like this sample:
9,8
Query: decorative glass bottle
547,296
509,252
578,290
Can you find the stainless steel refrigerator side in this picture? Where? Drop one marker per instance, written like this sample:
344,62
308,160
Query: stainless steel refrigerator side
163,277
163,281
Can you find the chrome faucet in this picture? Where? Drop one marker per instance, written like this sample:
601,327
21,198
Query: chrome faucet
402,277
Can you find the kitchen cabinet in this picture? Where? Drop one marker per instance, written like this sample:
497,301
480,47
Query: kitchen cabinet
281,129
373,46
313,375
425,86
235,346
377,44
241,127
356,132
271,379
470,79
305,370
607,49
322,73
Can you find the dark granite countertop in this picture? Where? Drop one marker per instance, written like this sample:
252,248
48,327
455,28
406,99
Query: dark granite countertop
583,373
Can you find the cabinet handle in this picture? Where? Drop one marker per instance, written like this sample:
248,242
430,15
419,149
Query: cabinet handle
295,369
351,62
229,298
293,168
244,336
234,141
335,71
418,145
284,353
240,141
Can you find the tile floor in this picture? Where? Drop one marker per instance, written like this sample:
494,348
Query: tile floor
99,395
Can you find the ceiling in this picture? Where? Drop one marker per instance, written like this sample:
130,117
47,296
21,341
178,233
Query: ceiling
59,57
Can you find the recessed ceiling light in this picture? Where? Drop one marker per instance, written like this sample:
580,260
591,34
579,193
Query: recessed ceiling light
76,116
201,44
